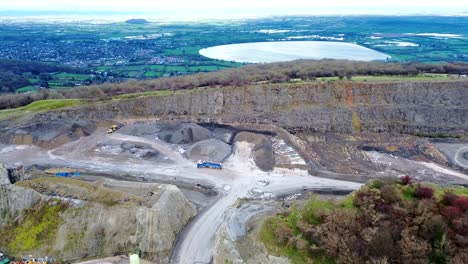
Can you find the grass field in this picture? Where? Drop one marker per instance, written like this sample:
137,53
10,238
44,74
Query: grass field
205,68
175,69
71,76
152,93
41,106
24,89
153,74
157,67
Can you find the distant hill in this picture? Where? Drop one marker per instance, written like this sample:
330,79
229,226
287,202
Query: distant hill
137,21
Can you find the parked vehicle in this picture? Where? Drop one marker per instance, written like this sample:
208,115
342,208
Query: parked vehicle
112,129
4,259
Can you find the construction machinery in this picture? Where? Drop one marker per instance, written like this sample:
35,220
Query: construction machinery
4,259
112,129
208,164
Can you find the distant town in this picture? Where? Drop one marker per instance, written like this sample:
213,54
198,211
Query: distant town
91,53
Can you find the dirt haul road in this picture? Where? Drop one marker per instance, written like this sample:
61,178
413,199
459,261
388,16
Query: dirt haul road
239,178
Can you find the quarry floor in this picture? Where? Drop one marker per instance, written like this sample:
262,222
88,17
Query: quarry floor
213,191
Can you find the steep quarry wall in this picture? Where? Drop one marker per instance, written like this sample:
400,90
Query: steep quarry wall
59,218
408,107
101,231
14,199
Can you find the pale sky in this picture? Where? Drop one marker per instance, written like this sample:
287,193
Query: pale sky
260,7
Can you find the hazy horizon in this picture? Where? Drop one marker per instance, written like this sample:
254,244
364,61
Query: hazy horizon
240,8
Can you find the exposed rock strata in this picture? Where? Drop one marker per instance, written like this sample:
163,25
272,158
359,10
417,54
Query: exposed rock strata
148,217
405,107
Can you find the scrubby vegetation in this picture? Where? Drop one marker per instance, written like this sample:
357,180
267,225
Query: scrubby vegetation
383,222
76,189
303,70
36,229
40,106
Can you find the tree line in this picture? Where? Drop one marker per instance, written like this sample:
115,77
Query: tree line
12,73
246,75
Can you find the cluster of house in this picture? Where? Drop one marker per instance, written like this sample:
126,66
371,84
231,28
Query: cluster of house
166,60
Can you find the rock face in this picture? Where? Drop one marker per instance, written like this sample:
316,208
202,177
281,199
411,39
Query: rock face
13,199
113,229
407,107
4,179
111,218
16,172
11,174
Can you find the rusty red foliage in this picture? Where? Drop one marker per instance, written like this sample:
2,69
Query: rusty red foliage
424,192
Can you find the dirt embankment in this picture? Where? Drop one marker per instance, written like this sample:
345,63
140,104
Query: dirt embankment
262,151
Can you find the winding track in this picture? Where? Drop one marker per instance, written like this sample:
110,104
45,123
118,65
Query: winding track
458,157
197,241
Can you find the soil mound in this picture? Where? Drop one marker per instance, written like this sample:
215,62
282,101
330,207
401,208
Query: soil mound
210,150
262,151
48,133
184,133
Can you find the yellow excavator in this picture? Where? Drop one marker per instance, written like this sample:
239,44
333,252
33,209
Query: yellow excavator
112,129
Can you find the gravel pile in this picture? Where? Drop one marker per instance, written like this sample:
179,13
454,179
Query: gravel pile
210,150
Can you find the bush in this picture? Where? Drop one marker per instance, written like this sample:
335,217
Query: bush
460,226
298,243
315,211
392,223
451,212
462,203
376,184
424,192
390,194
283,233
406,180
448,198
413,249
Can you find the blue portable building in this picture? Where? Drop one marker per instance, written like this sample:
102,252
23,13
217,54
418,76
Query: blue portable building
207,164
67,173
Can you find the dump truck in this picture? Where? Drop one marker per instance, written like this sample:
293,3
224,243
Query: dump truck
208,164
112,129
